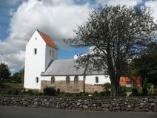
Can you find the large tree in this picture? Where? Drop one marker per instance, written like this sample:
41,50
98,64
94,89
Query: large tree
117,34
4,72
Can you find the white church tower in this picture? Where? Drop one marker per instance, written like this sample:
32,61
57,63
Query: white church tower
40,52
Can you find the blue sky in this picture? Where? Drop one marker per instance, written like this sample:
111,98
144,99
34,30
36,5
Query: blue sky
58,18
5,18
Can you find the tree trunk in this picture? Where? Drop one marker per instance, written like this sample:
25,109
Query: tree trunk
117,86
84,76
114,86
84,86
113,90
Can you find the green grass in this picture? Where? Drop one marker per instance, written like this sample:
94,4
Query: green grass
12,85
7,87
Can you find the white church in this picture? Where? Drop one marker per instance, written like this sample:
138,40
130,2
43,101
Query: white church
43,69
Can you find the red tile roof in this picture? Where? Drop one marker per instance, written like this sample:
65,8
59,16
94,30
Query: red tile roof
48,40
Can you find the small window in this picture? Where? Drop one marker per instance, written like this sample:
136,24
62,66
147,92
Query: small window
76,79
35,38
67,79
52,79
96,79
50,52
35,51
37,79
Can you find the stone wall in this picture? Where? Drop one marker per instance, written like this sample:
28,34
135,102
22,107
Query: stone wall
72,87
137,104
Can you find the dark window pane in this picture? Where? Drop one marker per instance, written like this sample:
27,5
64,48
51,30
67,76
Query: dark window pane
76,79
35,51
96,79
67,79
37,79
52,79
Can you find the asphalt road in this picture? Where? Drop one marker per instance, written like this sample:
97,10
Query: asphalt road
22,112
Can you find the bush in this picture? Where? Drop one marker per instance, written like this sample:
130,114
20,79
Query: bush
105,93
9,92
50,91
134,92
107,87
29,92
81,94
13,92
144,91
122,91
155,91
137,91
58,91
95,93
149,89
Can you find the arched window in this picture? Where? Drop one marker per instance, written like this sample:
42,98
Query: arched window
52,79
37,79
96,79
67,79
76,79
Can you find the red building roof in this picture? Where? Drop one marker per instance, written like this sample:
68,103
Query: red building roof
48,40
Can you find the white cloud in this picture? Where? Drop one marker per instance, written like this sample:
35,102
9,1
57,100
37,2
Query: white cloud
153,7
120,2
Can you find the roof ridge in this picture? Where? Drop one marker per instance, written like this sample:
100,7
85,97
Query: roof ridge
63,59
48,40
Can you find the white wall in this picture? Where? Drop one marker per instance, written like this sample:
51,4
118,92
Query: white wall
51,54
89,79
101,79
35,64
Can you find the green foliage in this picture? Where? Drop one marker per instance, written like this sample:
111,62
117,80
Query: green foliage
144,91
4,72
50,91
122,91
107,87
14,92
6,77
11,88
105,93
107,90
31,93
58,91
18,76
146,65
135,92
149,89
